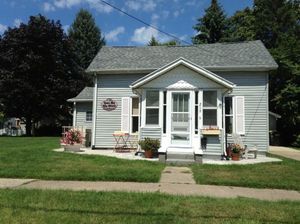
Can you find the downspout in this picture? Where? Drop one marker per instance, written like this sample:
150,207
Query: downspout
74,114
94,110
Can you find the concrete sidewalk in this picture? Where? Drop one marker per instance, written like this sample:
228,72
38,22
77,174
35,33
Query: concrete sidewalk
165,187
285,152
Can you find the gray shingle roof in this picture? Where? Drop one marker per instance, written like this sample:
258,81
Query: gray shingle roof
233,55
85,95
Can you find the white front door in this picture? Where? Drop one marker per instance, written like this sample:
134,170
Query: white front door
180,119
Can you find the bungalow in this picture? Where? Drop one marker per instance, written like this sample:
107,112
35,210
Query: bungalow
191,98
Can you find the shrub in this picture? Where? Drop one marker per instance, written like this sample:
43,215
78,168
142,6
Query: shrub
150,144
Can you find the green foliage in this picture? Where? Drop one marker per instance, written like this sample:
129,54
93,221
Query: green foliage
86,38
68,207
154,42
273,18
280,175
149,144
38,160
211,26
240,26
38,72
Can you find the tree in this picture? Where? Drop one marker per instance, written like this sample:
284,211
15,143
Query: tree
86,37
154,42
211,26
273,18
240,26
37,71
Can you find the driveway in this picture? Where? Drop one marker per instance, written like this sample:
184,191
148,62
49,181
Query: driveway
285,152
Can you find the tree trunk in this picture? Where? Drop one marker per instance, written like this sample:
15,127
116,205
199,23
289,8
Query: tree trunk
28,126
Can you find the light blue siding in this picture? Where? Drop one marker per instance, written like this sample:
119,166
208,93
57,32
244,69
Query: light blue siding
254,87
81,109
154,133
115,87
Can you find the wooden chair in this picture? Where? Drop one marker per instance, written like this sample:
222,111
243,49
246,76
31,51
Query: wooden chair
238,140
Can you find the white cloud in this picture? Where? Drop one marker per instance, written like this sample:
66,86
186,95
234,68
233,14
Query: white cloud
48,7
133,5
2,28
145,5
17,22
66,28
98,6
143,35
66,3
113,35
178,12
62,4
154,17
149,6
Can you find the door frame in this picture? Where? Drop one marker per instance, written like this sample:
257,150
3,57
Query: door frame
191,117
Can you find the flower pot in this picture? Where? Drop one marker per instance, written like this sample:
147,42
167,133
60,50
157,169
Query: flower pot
235,156
72,148
148,154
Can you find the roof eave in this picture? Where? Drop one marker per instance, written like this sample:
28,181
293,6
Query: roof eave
212,68
79,100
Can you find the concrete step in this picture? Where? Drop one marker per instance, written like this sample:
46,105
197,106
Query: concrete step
180,161
180,156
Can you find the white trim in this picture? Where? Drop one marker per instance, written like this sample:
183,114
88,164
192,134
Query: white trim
151,107
236,114
74,114
79,100
182,61
94,111
247,68
191,118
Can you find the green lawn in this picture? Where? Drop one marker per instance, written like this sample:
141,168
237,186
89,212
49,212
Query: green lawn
282,175
36,206
22,157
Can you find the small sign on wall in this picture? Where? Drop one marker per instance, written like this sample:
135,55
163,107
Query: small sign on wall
109,104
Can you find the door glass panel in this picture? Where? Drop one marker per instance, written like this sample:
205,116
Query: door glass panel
180,119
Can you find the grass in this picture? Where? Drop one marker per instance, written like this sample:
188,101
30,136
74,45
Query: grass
23,157
281,175
36,206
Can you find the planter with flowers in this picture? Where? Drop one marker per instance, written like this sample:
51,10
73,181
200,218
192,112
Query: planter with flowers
72,140
236,150
150,146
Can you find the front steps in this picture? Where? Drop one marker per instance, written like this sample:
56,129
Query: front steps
180,157
186,156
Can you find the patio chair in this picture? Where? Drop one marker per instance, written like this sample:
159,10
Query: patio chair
238,140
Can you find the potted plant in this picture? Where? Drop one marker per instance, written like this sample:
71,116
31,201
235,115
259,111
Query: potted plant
72,140
150,146
236,150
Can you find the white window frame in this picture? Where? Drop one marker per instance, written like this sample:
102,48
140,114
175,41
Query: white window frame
211,108
152,107
229,115
134,115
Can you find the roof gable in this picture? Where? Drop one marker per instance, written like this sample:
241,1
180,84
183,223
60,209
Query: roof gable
184,62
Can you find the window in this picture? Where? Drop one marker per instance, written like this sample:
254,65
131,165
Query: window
89,116
135,115
152,107
210,108
229,115
235,115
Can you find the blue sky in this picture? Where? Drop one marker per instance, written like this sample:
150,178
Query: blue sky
173,16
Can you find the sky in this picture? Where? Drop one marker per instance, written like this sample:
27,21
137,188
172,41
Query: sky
176,17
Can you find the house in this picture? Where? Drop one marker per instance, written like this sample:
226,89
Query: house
12,126
191,98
